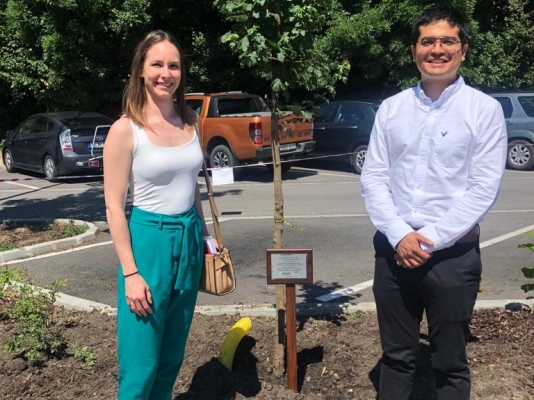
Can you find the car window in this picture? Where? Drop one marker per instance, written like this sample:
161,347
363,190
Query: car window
327,114
25,128
42,127
237,105
527,102
506,104
350,113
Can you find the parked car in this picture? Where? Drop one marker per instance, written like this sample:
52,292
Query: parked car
518,110
344,127
235,128
57,144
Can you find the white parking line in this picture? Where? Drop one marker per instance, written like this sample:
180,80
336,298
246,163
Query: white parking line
345,291
351,290
506,237
21,184
21,260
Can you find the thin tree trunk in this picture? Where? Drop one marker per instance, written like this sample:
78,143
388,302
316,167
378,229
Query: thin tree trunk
279,345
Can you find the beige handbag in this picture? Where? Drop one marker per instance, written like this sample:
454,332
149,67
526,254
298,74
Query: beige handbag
218,275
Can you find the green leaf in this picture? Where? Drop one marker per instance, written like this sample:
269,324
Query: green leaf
528,272
277,85
527,287
528,246
229,37
245,44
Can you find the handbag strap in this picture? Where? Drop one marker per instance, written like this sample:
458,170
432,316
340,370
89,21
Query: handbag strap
213,207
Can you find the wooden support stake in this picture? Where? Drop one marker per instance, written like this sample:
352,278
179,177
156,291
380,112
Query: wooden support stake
291,340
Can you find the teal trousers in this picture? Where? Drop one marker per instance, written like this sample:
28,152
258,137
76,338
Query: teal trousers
168,253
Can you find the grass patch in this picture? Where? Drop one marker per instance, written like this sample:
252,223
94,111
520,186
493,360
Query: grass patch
6,246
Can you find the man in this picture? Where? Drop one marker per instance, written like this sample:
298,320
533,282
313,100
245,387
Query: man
432,171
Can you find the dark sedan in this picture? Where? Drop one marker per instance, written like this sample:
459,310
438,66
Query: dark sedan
343,128
57,144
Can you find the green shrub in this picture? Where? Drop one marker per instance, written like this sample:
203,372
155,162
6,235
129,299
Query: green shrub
5,246
71,229
38,332
85,355
38,338
68,230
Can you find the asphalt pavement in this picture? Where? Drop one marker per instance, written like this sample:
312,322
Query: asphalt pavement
88,290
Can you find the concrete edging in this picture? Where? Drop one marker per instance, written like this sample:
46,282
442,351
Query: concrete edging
60,244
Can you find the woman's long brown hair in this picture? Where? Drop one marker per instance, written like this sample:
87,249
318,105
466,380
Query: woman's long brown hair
134,99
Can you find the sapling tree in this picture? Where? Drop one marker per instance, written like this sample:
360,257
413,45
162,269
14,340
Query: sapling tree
278,40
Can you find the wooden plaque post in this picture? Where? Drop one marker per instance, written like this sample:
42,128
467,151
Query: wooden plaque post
290,267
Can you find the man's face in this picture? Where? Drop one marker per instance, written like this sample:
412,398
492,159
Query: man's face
439,60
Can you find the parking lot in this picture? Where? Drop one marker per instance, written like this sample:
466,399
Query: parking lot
322,201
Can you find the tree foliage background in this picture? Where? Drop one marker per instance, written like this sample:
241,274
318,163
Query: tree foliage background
75,54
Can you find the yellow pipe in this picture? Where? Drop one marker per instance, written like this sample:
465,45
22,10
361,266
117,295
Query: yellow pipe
231,341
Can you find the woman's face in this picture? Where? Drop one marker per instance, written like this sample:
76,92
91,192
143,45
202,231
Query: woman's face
162,70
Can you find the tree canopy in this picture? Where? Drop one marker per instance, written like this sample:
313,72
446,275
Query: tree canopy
75,54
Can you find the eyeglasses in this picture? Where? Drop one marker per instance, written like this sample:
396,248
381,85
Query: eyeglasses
446,41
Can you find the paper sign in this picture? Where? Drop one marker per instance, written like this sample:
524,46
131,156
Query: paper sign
222,176
288,266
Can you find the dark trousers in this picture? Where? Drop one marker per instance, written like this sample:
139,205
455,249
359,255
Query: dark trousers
445,288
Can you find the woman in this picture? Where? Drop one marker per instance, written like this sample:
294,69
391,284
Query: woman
154,152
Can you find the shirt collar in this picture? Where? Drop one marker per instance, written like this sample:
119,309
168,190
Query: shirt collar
447,93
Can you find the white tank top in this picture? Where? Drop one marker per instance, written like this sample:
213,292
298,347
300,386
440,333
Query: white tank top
163,179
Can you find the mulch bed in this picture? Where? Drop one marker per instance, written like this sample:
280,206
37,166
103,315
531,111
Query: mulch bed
337,357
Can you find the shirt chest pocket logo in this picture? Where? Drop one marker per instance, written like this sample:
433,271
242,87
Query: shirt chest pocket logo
450,148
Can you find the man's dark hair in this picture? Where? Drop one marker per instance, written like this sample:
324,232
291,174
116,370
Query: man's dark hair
439,12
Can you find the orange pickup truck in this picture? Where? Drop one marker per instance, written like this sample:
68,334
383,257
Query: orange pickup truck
235,128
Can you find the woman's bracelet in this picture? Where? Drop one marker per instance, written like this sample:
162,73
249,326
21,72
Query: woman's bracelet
133,273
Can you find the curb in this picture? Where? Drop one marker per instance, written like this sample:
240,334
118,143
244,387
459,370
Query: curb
267,310
36,249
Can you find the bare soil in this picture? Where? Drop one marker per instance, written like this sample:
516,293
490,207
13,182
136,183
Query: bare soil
338,358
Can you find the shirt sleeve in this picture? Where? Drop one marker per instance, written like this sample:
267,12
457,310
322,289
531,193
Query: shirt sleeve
376,191
484,181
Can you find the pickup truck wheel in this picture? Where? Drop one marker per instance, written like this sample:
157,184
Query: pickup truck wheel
221,156
520,155
358,158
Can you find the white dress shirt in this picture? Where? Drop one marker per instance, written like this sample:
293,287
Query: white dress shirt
434,167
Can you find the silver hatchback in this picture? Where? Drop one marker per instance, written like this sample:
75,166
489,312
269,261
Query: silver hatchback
518,110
